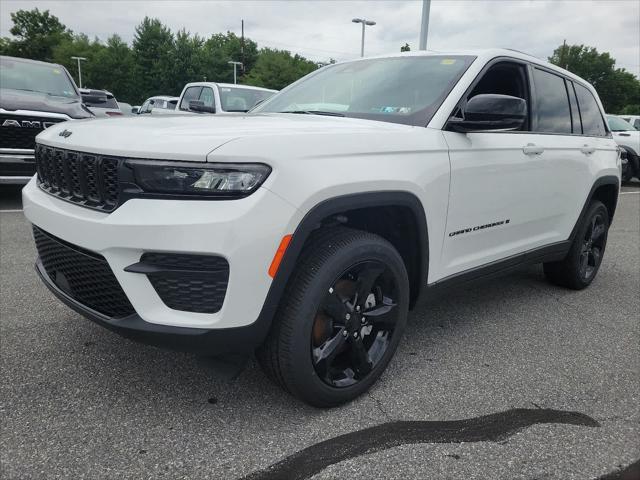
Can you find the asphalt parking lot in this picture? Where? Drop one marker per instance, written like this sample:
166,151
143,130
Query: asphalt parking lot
548,381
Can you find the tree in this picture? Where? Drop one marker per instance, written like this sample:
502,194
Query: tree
278,68
616,87
112,68
36,34
220,49
405,48
79,46
153,53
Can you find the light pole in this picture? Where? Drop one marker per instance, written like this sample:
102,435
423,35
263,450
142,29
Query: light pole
364,23
79,68
235,64
424,27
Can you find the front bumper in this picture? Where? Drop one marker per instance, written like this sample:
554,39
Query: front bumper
17,166
194,340
245,232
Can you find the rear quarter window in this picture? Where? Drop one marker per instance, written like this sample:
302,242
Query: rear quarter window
592,121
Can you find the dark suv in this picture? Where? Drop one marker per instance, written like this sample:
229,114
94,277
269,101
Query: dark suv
33,96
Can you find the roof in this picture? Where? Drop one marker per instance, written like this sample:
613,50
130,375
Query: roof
228,85
28,60
94,91
163,97
484,55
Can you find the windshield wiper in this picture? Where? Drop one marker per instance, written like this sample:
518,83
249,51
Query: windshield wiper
315,112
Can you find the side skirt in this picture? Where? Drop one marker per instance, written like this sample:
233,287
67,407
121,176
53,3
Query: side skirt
550,253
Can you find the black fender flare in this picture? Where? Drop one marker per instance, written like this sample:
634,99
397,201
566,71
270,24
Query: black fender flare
312,220
602,181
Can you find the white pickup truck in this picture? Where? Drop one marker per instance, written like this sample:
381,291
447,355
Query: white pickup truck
210,97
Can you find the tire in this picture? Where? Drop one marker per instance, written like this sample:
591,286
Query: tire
628,172
581,264
314,350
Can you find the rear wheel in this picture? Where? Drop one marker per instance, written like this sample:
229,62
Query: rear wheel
581,265
341,318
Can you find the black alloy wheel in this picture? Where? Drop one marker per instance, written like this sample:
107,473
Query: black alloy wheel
355,324
592,247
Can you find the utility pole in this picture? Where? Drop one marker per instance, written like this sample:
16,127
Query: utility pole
364,23
242,45
79,68
235,64
563,61
424,28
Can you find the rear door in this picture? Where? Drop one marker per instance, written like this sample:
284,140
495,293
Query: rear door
567,176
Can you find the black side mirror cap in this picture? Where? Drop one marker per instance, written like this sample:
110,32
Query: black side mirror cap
199,106
487,112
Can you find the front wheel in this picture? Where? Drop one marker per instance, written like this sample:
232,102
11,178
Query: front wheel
581,264
341,318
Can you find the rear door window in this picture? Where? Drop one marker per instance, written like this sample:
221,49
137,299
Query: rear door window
592,121
192,93
552,113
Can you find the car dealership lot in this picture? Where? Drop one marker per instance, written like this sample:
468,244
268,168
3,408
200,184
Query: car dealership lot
80,402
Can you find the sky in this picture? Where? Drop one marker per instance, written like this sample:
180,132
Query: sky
322,29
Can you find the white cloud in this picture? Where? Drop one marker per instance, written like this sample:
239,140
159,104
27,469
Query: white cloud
323,29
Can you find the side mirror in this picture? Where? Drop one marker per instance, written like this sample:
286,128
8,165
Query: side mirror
199,106
490,112
134,110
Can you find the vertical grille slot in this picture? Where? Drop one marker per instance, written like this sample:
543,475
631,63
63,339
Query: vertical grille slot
85,179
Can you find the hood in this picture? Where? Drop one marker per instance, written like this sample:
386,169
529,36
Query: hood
11,100
192,137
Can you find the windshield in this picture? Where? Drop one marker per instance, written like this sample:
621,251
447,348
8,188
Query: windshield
405,90
36,77
617,124
241,99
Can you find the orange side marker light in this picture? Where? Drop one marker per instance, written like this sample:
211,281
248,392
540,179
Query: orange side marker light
277,258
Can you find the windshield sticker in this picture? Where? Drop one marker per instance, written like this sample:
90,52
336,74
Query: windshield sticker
56,71
448,61
225,89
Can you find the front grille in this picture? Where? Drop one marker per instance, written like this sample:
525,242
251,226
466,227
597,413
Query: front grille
83,275
82,178
18,131
191,283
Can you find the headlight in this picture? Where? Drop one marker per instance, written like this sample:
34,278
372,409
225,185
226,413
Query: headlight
213,179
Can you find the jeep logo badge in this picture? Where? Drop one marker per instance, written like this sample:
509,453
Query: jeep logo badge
65,133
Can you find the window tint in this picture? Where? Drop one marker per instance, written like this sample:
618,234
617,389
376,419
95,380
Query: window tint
592,122
192,93
575,112
207,97
636,123
552,113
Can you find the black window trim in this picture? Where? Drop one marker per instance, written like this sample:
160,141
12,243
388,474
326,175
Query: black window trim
528,67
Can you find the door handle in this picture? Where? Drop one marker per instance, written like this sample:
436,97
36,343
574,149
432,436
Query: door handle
624,134
532,149
587,150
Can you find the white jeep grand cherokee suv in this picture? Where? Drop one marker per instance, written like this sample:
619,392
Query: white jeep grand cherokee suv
306,230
